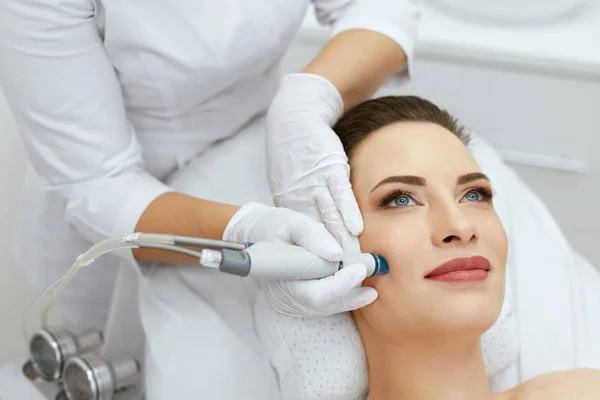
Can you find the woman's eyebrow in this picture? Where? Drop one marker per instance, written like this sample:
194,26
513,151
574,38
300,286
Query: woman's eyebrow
473,176
408,179
420,181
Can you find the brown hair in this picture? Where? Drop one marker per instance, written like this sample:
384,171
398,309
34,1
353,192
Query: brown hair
359,122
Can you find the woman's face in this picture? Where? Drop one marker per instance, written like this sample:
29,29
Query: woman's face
424,202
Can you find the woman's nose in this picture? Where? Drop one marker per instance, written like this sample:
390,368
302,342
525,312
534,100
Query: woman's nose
452,227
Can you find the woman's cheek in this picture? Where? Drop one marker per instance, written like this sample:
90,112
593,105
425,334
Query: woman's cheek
367,240
379,239
370,242
380,235
377,226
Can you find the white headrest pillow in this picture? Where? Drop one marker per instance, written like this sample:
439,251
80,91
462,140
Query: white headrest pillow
324,358
314,358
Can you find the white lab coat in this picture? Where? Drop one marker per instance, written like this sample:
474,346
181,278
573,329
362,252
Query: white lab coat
112,97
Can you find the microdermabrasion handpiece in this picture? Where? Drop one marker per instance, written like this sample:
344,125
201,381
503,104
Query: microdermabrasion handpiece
284,261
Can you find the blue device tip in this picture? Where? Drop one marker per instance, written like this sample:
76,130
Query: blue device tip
381,265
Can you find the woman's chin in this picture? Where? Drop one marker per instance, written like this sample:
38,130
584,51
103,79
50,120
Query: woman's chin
468,317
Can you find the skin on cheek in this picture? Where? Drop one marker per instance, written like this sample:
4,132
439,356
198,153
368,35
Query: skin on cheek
378,238
371,242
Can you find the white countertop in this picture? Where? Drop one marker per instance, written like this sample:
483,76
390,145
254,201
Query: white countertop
570,47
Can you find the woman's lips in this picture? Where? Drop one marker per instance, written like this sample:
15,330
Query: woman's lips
468,269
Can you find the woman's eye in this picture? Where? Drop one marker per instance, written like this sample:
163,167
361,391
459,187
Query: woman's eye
402,201
473,195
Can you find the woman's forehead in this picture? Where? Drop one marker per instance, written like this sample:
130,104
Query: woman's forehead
411,148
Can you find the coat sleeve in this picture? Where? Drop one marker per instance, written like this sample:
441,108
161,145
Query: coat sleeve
396,19
68,105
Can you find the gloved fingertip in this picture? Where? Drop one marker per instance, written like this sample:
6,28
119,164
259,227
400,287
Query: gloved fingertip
358,269
351,246
367,296
355,273
358,280
315,238
356,227
331,251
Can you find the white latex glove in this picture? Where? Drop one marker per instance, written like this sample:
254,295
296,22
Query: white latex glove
307,167
320,297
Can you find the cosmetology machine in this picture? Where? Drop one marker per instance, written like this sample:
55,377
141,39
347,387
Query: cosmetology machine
68,366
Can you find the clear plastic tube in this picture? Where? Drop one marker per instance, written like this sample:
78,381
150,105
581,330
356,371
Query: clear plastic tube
84,260
87,258
26,331
129,241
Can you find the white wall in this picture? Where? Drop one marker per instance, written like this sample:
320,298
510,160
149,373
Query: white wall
15,293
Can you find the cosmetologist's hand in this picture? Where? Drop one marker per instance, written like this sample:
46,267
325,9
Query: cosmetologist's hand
320,297
307,167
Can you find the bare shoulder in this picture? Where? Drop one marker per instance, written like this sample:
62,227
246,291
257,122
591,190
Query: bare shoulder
582,384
